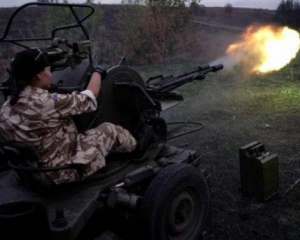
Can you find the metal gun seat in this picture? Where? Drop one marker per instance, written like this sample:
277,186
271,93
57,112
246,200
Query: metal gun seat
24,160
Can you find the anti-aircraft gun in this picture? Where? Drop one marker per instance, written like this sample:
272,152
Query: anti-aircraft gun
160,195
128,98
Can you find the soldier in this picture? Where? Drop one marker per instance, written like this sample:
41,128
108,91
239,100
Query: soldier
44,120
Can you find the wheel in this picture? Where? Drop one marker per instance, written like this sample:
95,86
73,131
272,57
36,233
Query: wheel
175,205
107,235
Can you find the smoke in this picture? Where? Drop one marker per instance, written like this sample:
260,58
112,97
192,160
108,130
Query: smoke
262,49
229,62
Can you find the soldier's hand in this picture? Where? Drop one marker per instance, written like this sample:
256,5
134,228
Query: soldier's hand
101,71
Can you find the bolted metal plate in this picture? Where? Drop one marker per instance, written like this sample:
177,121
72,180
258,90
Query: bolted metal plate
259,171
118,107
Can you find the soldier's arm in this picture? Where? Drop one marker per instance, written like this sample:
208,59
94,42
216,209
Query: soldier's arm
95,84
63,105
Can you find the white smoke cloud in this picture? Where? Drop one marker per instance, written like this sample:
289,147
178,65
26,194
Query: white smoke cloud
228,61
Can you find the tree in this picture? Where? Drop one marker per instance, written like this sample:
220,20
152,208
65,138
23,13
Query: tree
152,28
166,3
288,13
228,8
91,2
196,8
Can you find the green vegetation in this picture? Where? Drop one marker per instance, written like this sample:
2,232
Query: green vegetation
236,109
264,96
288,13
149,31
274,93
153,30
56,17
197,9
228,8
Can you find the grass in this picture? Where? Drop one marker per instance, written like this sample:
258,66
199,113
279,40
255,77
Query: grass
238,109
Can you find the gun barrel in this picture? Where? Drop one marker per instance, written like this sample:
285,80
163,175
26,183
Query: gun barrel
217,67
170,83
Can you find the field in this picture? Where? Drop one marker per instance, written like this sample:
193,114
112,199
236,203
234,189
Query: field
238,109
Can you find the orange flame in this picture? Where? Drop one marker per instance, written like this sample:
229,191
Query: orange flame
266,49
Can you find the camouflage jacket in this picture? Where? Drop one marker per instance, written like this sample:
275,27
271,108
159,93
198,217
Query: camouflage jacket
44,120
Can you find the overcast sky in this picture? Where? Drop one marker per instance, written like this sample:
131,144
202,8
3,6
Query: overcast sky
270,4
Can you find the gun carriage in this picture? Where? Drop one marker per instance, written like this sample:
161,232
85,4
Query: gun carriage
160,195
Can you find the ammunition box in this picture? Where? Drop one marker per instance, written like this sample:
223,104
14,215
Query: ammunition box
259,171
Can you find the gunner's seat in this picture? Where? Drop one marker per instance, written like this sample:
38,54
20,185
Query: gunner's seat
24,160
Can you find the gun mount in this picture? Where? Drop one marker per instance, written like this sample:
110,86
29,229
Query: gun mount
163,193
126,97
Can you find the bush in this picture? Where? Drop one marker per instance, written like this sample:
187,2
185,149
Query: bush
152,32
197,9
288,13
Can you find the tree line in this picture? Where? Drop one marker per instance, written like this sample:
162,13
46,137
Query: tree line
288,13
151,30
147,30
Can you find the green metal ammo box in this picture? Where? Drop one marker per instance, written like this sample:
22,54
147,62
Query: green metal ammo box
259,171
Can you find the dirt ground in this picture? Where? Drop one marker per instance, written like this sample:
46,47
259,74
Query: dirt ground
238,110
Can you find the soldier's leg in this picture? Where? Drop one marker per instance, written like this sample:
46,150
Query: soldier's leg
95,144
120,139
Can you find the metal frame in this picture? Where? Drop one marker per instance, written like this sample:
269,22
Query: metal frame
180,125
78,22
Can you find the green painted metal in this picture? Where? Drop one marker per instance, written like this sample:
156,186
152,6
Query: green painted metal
259,171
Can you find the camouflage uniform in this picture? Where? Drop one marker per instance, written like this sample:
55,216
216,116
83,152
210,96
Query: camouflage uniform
44,120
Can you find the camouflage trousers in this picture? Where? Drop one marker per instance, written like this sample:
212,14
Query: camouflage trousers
106,138
91,149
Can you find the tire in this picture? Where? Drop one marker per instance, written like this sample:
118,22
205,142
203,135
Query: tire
107,235
175,205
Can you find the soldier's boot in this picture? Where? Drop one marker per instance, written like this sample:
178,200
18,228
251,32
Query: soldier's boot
167,151
144,136
107,235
